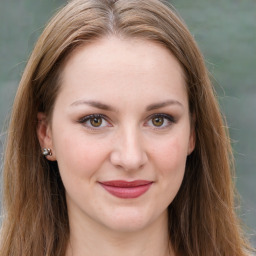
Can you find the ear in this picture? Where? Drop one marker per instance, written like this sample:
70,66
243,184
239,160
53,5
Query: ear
192,137
44,134
192,141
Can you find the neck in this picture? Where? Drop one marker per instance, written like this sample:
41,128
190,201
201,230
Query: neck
88,238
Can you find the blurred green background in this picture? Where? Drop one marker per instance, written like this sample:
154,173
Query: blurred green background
226,33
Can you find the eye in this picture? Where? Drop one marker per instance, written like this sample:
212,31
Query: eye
160,121
157,121
95,121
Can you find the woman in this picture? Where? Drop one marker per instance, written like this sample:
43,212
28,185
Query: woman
116,144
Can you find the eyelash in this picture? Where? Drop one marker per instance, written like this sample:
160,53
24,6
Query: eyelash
85,119
170,119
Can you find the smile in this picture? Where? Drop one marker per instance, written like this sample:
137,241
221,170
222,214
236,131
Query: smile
126,189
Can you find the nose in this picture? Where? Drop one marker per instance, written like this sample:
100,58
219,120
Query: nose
128,151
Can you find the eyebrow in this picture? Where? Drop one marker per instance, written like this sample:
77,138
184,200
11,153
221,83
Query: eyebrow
100,105
95,104
163,104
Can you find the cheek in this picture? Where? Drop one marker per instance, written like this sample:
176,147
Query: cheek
77,155
170,156
170,161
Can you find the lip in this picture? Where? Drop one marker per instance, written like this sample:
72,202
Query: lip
126,189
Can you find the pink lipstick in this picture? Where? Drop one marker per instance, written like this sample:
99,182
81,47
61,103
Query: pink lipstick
126,189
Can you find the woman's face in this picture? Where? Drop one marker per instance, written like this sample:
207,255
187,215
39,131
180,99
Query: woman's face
121,133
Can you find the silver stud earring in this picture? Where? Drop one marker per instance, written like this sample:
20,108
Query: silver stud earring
47,152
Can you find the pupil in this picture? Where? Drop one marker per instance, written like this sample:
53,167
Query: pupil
96,121
158,121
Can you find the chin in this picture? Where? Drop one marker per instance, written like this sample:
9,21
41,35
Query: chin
130,220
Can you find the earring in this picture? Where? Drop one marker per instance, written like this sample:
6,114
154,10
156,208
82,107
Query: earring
47,152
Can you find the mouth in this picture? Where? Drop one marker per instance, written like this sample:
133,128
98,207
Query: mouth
126,189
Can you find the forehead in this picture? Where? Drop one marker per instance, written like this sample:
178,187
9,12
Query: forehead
123,67
121,51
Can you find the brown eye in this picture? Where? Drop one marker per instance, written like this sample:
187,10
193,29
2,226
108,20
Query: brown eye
96,121
158,121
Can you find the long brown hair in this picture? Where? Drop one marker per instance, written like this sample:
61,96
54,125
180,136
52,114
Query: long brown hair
202,219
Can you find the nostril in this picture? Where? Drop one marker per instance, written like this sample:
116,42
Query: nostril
129,150
128,161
